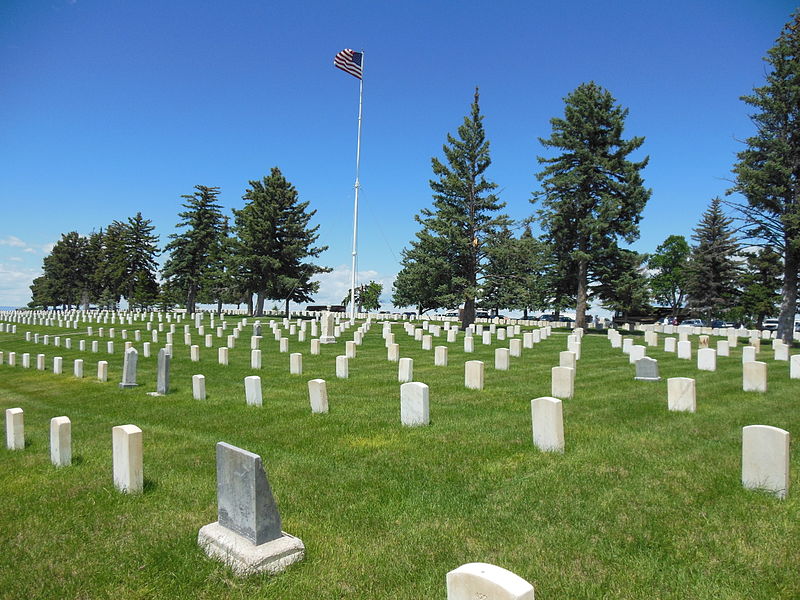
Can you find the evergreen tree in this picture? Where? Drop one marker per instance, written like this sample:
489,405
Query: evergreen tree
760,284
670,262
463,217
591,195
275,241
536,269
67,269
504,282
194,251
140,250
713,272
425,280
622,283
768,170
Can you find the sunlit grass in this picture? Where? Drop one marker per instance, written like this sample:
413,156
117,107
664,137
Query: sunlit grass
643,504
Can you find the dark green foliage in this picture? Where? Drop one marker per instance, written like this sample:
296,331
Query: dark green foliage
623,285
425,280
713,272
768,170
367,296
591,195
140,249
760,284
274,241
670,263
455,233
194,252
516,276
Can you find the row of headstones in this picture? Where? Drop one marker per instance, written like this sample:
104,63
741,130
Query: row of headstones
754,373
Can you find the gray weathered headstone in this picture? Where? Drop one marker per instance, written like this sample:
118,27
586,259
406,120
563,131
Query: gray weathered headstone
247,535
647,369
162,376
129,368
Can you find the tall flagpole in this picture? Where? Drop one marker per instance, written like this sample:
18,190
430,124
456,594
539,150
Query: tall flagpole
355,204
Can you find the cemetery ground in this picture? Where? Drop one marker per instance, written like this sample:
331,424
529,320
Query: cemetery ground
643,503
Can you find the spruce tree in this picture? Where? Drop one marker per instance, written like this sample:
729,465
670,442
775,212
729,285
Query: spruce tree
464,215
193,251
592,194
275,241
713,271
141,248
768,170
425,279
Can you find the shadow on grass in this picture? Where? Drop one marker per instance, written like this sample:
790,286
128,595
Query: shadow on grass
149,485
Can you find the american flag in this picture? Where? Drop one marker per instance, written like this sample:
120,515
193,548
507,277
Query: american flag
349,61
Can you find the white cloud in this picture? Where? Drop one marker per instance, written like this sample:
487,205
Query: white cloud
15,284
334,286
13,241
15,258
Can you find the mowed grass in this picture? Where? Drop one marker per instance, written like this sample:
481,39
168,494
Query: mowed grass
644,503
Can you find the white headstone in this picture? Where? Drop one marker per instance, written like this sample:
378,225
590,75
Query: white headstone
61,441
127,458
296,363
473,374
252,390
318,395
342,367
754,376
563,382
15,429
482,581
765,459
440,356
548,424
707,359
414,404
199,387
502,359
681,395
405,370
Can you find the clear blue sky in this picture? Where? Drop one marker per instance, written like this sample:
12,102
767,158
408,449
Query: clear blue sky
109,107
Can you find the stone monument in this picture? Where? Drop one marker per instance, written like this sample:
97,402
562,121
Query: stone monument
247,535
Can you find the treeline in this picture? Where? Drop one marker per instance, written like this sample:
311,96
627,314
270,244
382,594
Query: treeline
265,254
467,252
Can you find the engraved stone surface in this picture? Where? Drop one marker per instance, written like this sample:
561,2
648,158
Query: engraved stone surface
245,503
473,374
15,429
754,376
162,377
562,382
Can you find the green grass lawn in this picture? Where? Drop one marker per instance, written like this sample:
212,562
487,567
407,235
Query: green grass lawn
644,503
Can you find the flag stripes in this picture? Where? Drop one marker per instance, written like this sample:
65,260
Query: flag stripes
349,61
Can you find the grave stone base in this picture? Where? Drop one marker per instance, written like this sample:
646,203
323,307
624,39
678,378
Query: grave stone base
243,556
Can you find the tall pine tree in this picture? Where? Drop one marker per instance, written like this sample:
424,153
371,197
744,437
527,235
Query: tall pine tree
275,243
193,251
768,170
760,284
669,263
713,272
592,194
464,214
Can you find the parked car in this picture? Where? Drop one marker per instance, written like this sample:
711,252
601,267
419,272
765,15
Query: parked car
481,314
450,314
693,322
770,324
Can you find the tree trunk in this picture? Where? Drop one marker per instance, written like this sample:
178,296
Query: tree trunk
190,299
287,308
249,303
219,306
259,308
468,314
525,313
789,301
85,299
580,310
